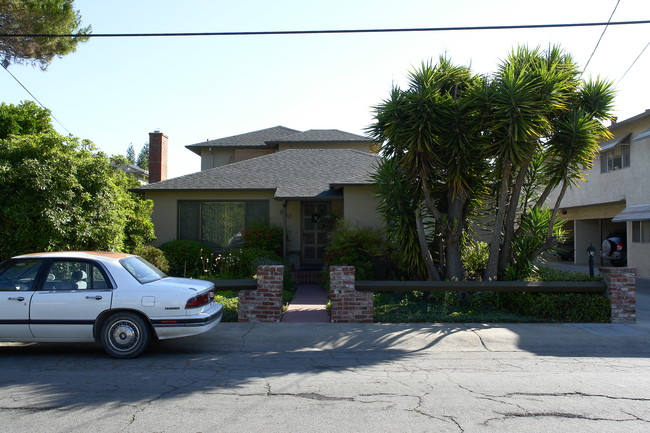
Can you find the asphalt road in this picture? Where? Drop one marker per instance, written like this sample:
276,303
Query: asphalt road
339,378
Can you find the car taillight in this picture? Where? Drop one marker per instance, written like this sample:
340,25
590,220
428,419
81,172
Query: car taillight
200,300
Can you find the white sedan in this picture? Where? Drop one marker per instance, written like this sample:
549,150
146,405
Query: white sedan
119,300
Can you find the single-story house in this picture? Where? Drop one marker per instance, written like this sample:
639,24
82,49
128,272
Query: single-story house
616,196
279,176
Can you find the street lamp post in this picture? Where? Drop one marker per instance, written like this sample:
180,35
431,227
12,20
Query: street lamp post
591,252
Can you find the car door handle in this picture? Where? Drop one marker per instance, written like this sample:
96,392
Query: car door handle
94,297
19,299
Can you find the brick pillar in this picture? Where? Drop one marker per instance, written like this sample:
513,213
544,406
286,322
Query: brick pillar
157,157
265,303
621,292
348,305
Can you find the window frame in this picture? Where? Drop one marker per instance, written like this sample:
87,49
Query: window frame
622,150
638,230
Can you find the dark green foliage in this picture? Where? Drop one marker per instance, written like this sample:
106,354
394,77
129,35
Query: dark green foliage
559,307
263,236
57,194
230,303
45,17
545,273
154,256
413,307
27,118
529,242
130,154
362,247
143,157
185,257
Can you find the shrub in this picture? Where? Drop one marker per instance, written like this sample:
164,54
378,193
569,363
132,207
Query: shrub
185,256
262,236
154,256
362,247
230,306
475,256
559,307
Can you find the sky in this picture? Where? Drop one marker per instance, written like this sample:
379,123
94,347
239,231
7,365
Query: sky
115,91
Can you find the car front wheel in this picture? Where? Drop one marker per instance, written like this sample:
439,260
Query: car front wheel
124,335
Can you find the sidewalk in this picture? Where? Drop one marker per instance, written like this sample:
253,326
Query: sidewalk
309,305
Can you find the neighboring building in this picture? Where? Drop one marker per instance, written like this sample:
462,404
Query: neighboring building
278,176
140,174
616,195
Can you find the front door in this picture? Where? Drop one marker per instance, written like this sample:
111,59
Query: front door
314,236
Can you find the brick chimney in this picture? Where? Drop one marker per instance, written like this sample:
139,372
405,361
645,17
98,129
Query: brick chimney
157,156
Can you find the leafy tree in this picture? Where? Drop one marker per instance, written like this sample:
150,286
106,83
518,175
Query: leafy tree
59,195
130,154
39,17
457,144
26,118
143,157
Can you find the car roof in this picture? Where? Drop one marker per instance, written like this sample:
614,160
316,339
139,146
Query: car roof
77,255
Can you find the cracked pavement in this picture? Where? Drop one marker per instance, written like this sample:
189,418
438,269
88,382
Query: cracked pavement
336,377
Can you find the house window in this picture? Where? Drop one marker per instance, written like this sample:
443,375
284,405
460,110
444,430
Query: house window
616,158
219,223
641,231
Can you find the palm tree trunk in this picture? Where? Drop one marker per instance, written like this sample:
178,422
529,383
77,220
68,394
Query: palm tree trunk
495,243
455,269
432,272
556,209
509,223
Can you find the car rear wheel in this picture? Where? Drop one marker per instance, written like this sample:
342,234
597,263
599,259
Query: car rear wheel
124,335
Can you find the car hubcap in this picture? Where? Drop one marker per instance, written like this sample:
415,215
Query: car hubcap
124,335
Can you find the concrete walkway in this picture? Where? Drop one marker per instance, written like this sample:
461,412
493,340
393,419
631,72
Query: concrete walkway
309,305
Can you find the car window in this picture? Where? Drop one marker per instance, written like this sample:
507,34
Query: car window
19,274
142,270
74,275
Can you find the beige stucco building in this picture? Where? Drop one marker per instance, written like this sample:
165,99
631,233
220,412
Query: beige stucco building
279,176
615,196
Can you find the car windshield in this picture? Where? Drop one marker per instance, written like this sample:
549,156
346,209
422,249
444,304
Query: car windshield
142,270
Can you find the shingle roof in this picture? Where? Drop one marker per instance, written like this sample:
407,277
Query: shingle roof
292,173
319,136
249,140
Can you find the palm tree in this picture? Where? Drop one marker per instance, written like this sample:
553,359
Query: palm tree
433,131
529,90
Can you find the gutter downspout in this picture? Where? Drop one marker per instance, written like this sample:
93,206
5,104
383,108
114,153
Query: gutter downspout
284,229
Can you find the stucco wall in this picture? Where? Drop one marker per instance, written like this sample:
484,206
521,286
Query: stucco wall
360,206
211,158
630,184
165,212
362,147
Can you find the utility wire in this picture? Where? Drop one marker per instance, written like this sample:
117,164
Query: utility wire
36,99
601,36
316,32
637,58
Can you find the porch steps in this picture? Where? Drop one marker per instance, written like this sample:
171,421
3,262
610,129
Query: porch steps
307,277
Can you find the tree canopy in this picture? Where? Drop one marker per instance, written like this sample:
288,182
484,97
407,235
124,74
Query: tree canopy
464,150
39,17
59,193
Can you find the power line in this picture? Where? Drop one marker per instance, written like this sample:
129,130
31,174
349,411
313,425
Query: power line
317,32
637,58
601,35
36,99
